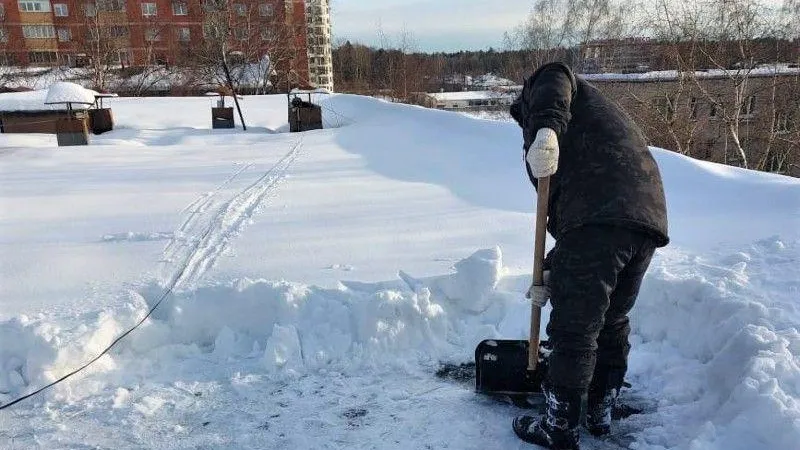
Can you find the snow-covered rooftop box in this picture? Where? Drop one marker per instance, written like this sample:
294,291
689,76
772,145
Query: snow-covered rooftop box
38,111
64,92
53,99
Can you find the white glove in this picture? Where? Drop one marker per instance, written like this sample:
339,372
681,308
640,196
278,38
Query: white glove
539,295
542,156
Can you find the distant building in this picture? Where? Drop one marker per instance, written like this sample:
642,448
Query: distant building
692,113
460,82
469,100
627,55
320,53
136,33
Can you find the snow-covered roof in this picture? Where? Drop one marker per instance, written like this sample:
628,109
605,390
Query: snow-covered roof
671,75
31,101
66,92
492,80
468,95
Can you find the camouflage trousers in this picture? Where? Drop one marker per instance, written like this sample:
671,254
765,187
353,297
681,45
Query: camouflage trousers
595,275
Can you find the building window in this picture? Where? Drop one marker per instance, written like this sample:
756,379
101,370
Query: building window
665,107
184,34
267,34
180,9
693,108
2,11
111,5
64,34
209,6
38,31
265,10
152,35
211,31
241,34
90,9
240,9
748,107
60,10
124,57
42,57
3,35
118,31
713,110
149,9
783,123
34,6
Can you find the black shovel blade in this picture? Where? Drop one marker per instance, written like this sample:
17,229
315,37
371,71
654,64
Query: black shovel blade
501,367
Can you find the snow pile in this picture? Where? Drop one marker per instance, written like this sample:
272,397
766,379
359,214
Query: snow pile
290,327
31,101
26,350
295,328
718,346
66,92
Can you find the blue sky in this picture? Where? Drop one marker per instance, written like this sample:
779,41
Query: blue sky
435,25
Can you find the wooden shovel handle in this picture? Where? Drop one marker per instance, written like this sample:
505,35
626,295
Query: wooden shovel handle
542,199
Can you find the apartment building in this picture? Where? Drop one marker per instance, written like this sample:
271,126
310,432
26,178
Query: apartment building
695,113
320,54
295,34
627,55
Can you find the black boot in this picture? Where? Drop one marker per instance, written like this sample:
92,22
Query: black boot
602,400
557,429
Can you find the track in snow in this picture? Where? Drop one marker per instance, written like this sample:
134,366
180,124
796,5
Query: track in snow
202,237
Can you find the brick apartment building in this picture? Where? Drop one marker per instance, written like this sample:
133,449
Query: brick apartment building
641,54
294,33
635,54
694,113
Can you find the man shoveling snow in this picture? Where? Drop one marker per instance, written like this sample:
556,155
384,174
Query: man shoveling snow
607,212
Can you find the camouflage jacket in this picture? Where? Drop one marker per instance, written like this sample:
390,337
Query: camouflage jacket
606,174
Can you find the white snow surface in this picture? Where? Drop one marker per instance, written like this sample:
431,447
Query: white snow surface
321,277
66,92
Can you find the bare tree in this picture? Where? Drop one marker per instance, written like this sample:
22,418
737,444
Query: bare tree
104,41
8,59
214,57
154,71
725,51
558,29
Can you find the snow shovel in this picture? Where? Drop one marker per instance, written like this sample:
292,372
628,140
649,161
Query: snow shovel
513,367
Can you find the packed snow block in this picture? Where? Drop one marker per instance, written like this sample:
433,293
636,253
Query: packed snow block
72,131
27,351
222,117
101,120
473,285
283,352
